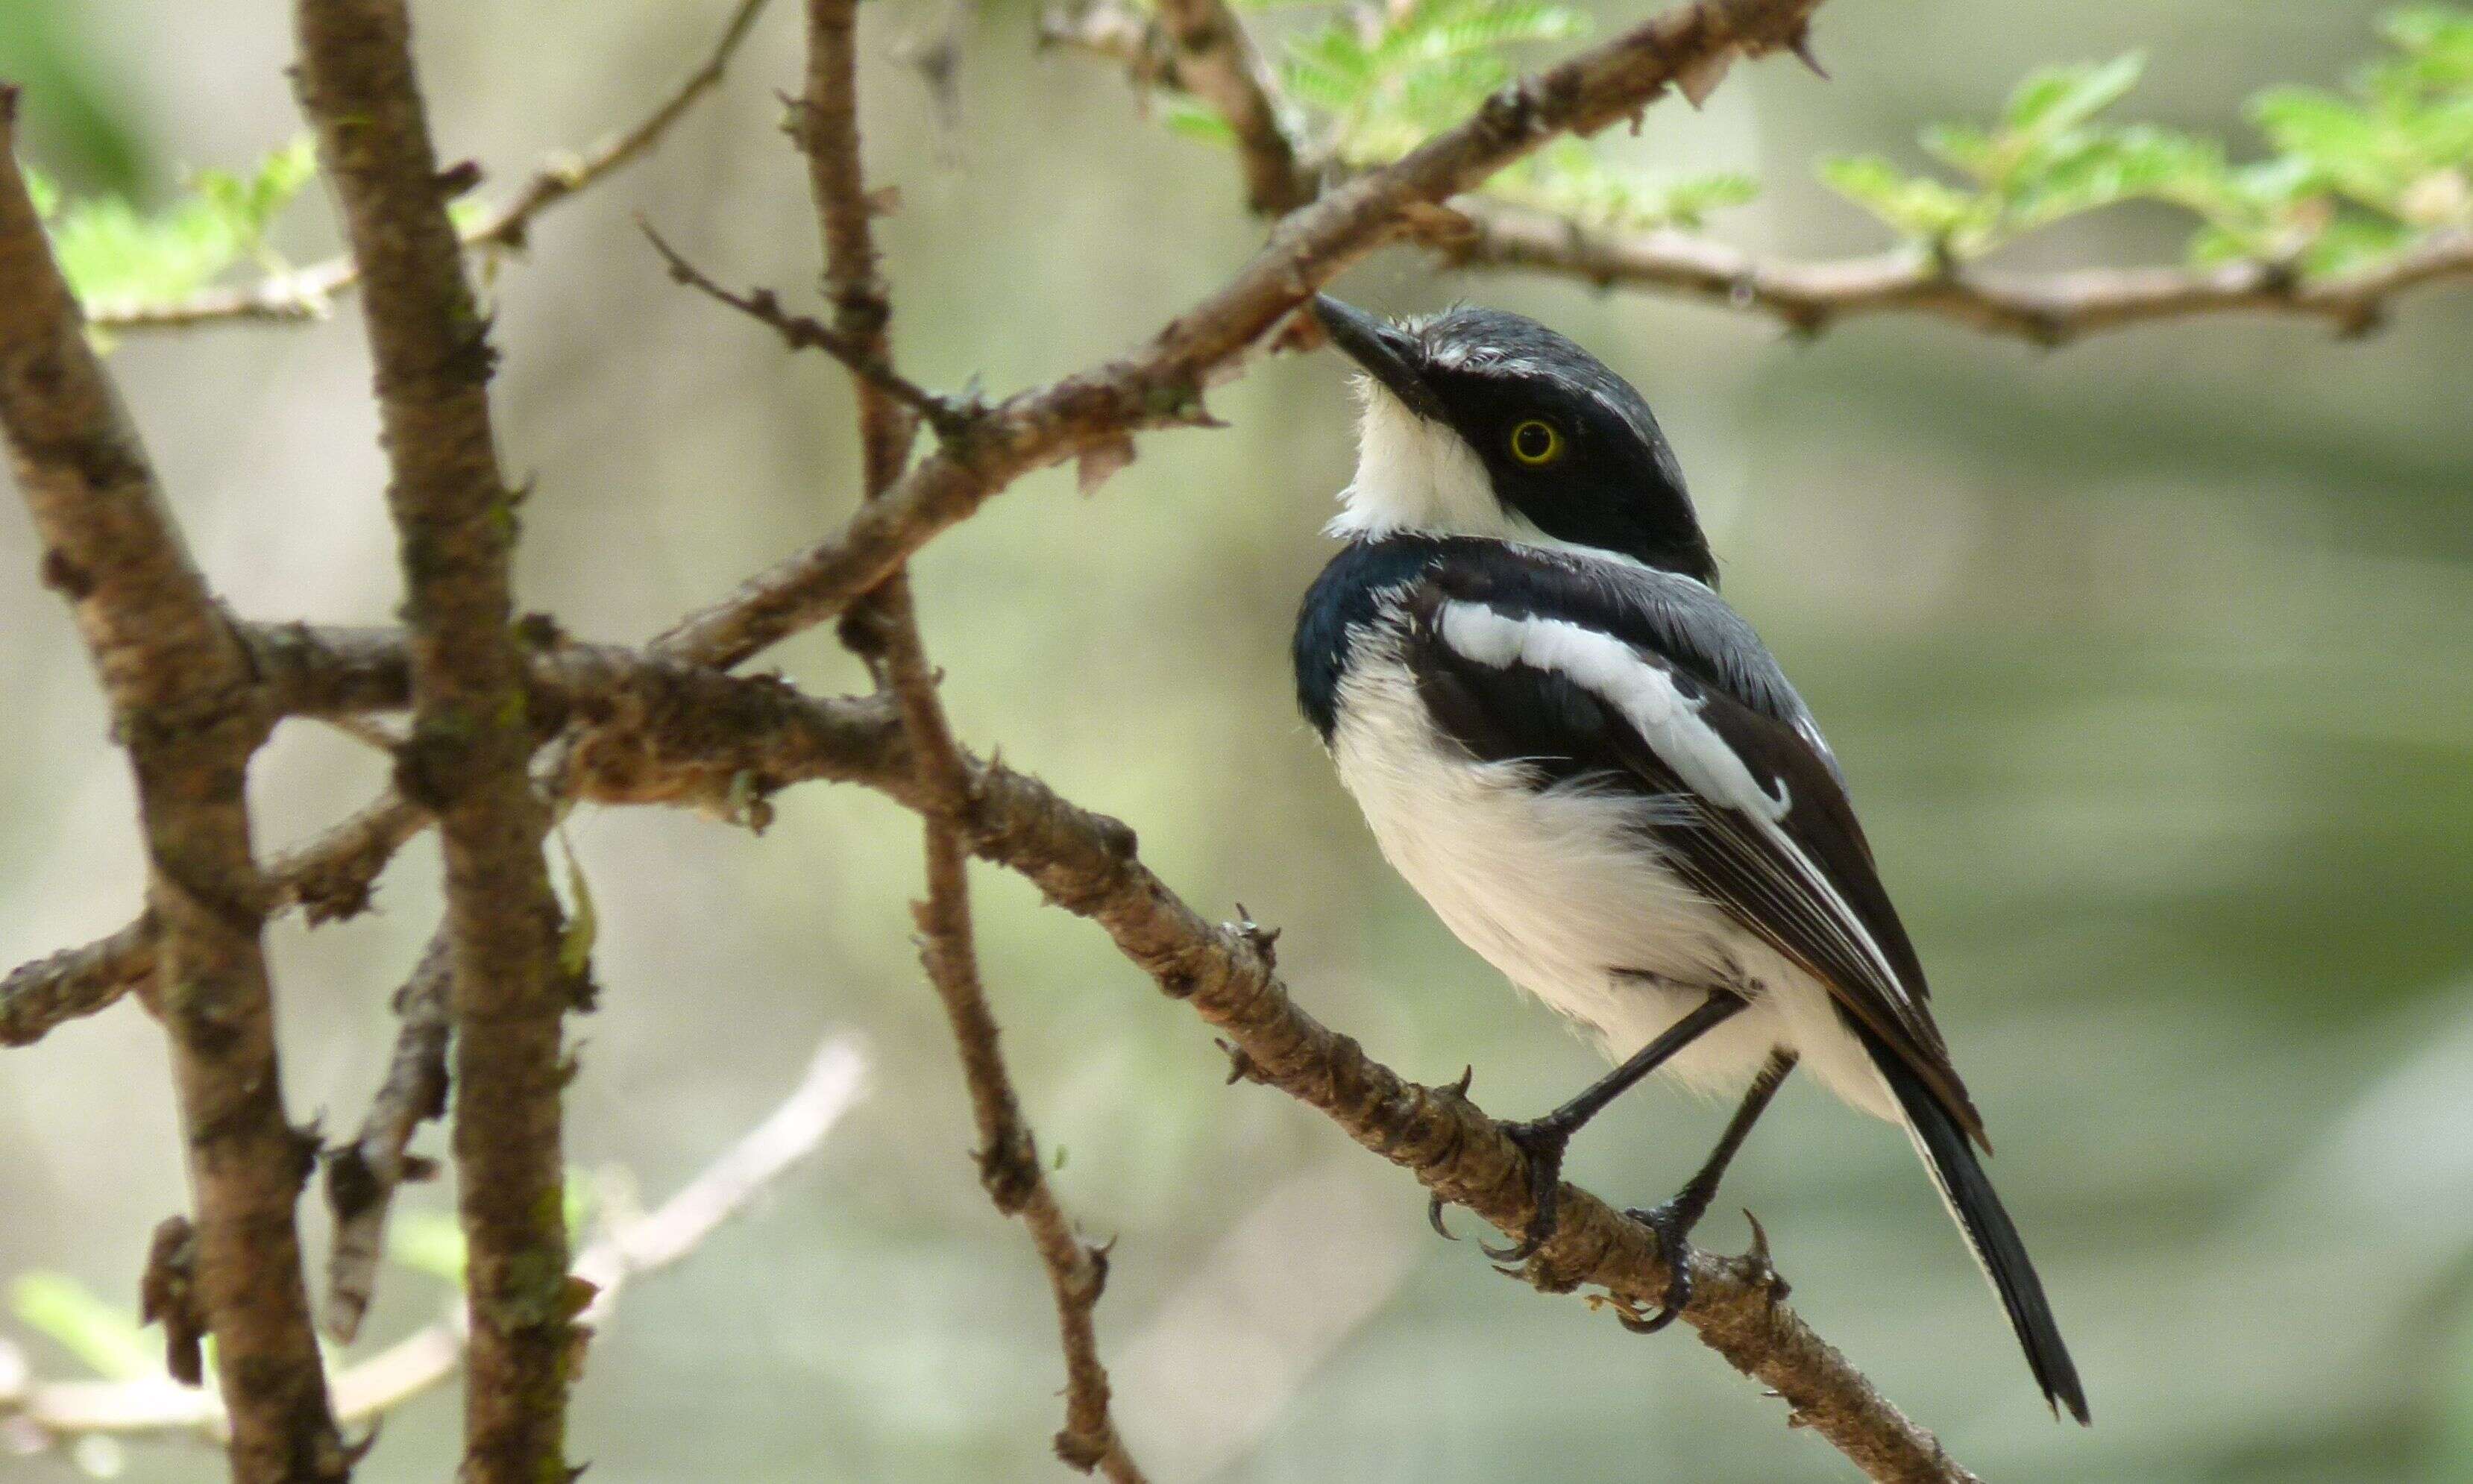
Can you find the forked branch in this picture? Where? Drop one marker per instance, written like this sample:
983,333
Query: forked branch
183,704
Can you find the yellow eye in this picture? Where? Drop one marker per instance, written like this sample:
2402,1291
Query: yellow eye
1534,442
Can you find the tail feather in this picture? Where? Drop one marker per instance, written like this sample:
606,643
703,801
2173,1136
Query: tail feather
1967,1191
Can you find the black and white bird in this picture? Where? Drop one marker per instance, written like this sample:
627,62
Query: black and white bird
1594,773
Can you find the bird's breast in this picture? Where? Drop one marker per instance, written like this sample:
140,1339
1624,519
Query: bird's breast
1556,886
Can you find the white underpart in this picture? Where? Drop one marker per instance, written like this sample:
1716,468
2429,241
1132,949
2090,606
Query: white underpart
1560,890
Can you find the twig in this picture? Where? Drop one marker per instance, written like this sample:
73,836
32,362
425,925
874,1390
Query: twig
307,294
2046,309
803,333
834,1081
467,761
1161,383
660,730
362,1175
75,982
178,679
694,726
883,626
1199,47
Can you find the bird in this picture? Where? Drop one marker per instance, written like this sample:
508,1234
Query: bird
1600,779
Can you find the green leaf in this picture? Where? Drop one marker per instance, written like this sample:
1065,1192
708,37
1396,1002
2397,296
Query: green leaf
1961,147
110,249
1917,206
583,924
2354,240
2436,40
44,194
1197,121
108,1340
2056,99
2100,168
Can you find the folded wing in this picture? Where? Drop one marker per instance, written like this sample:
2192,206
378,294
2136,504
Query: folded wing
1647,682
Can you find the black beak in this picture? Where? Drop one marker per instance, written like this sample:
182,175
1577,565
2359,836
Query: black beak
1388,355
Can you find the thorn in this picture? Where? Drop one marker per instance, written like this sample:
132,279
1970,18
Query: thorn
1801,47
458,178
1764,1272
1459,1088
1702,78
1241,1066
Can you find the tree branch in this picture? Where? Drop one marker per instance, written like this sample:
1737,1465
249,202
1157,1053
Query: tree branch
330,876
659,730
2044,309
1161,383
883,626
803,333
682,732
307,294
362,1175
631,1248
1199,47
467,759
184,706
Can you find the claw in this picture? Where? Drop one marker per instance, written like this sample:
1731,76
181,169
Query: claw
1435,1219
1673,1227
1542,1142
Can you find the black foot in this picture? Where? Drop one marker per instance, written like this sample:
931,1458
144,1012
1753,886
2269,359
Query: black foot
1672,1221
1542,1141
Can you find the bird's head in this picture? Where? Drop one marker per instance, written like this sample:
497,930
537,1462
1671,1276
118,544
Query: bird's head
1480,422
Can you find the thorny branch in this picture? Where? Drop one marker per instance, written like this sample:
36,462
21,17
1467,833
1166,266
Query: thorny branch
2044,309
44,1414
1199,47
178,679
667,726
803,333
662,731
362,1174
883,626
469,756
1160,384
308,293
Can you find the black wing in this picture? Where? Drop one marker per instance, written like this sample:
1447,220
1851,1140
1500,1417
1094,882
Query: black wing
1790,862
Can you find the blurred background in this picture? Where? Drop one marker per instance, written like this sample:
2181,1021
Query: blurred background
2151,660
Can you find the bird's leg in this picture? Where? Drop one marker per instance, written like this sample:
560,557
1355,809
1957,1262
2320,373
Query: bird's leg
1674,1220
1543,1139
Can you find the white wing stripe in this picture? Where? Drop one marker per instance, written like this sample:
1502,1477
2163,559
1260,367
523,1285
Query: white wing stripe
1615,672
1647,695
1844,918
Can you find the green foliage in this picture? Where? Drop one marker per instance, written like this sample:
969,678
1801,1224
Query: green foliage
2356,176
1572,179
108,1340
1375,84
111,250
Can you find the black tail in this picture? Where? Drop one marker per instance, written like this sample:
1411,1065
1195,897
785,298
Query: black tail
1968,1193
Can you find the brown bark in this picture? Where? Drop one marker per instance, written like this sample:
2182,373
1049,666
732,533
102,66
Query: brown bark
472,739
185,707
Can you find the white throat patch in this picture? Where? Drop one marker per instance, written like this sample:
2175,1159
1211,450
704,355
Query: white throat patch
1416,475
